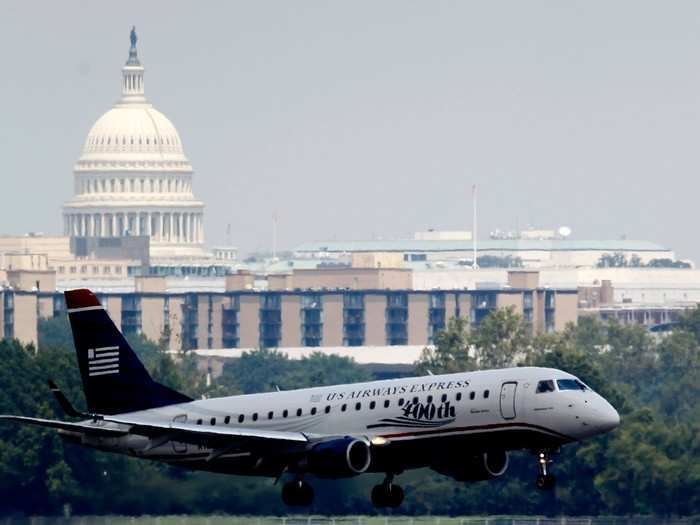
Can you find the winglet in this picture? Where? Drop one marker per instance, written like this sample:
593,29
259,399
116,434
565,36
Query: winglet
65,404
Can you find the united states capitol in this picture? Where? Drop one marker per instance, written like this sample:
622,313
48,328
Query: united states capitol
134,232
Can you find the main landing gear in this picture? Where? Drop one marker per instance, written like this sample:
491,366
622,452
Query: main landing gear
387,494
544,480
297,493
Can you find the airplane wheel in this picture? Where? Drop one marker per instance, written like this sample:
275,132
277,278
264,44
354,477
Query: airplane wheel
379,496
395,496
545,481
297,493
387,495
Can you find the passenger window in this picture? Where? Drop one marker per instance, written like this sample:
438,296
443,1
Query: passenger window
227,419
545,386
472,395
415,400
212,421
328,409
285,413
386,403
344,408
430,399
458,396
372,405
255,416
358,406
444,397
199,421
270,415
486,394
241,418
401,401
298,412
313,411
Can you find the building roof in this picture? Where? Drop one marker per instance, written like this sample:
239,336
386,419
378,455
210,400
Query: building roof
513,245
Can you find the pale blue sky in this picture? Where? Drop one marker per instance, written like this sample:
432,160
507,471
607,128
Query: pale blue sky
373,118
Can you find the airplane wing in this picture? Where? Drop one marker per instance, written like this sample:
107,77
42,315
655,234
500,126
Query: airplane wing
84,427
182,432
187,432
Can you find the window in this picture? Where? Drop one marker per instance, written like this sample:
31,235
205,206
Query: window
227,420
430,399
241,418
458,396
213,421
372,405
386,403
472,395
255,416
415,400
358,406
486,394
545,386
343,408
328,409
444,397
313,411
298,412
401,401
270,415
199,421
285,413
570,384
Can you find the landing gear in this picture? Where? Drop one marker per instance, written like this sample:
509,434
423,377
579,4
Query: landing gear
544,480
387,494
297,493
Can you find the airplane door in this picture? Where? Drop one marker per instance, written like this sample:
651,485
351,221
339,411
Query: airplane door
508,400
178,447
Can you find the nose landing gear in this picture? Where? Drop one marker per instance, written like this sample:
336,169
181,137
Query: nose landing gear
387,494
297,493
544,480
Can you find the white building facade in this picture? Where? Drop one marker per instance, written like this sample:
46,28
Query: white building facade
133,178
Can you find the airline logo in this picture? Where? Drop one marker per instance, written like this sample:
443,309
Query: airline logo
103,361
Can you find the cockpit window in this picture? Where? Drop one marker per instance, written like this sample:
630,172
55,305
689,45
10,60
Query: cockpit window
545,386
571,384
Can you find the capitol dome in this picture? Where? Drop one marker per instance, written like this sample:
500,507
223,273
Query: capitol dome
132,177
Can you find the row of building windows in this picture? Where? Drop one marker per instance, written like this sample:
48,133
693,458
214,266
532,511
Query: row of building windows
123,140
344,407
96,270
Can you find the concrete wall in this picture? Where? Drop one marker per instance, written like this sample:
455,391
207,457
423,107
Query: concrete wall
418,305
332,320
291,320
375,319
26,318
249,321
152,317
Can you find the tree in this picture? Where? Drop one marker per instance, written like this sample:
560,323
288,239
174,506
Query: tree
501,339
451,352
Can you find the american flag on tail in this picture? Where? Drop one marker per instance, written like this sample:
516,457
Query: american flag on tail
103,361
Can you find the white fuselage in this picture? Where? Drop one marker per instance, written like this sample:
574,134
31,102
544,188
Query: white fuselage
473,411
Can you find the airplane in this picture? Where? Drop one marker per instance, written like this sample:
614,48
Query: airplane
461,425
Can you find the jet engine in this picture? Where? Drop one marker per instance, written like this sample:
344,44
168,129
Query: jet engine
339,458
485,466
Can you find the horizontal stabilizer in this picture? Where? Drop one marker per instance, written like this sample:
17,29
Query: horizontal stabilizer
66,405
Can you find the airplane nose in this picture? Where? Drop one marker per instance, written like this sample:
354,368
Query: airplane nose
606,417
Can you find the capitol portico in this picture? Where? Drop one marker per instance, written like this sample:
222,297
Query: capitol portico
133,178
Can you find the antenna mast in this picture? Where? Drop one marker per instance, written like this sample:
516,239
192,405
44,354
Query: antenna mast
274,235
475,265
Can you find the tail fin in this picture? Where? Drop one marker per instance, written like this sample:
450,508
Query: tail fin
114,379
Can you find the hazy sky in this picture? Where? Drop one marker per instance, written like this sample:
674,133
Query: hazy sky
364,119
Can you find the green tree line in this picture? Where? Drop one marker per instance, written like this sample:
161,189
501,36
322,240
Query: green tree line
649,465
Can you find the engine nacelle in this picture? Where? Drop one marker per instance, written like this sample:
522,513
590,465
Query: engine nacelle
485,466
339,458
